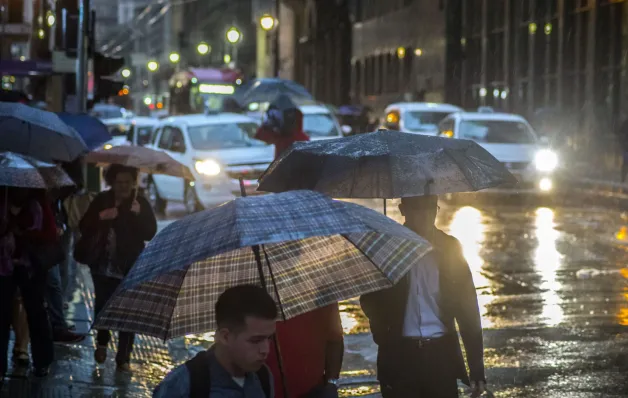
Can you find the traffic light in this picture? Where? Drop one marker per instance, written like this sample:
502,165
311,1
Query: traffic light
106,83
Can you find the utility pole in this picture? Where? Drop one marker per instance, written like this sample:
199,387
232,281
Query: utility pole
82,56
276,63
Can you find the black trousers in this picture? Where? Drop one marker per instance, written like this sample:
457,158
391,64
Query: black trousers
105,287
32,287
411,369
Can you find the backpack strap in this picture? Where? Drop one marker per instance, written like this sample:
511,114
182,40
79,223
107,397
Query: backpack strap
263,374
200,382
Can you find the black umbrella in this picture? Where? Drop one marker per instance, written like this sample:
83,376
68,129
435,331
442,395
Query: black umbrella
267,90
385,164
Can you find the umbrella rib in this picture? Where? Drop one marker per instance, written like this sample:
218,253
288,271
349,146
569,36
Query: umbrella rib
369,258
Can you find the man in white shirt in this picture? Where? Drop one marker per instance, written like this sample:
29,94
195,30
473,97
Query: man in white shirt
413,323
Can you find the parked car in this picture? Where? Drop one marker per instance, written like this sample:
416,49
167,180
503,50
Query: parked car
141,130
509,138
218,149
320,123
417,117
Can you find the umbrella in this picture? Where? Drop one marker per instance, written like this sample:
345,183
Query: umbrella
93,131
268,89
24,172
385,164
145,159
316,251
37,133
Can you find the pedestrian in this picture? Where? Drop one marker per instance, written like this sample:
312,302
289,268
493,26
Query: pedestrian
114,230
282,125
25,229
312,349
234,366
313,367
413,323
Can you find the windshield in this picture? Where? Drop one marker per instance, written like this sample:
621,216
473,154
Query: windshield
423,120
320,125
144,134
223,136
497,132
118,130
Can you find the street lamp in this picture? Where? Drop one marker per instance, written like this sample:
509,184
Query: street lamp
267,22
152,66
227,58
233,35
126,73
203,48
174,57
50,18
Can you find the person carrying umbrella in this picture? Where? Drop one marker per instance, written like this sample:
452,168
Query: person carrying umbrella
413,323
234,365
282,125
113,232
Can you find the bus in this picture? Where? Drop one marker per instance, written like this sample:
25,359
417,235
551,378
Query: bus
199,90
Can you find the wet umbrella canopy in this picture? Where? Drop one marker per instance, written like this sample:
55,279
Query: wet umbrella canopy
21,171
385,164
320,251
267,90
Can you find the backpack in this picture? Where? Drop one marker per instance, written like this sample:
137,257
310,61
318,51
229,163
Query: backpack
200,382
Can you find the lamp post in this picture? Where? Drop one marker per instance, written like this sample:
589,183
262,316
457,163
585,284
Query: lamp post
203,48
126,73
174,57
267,38
152,66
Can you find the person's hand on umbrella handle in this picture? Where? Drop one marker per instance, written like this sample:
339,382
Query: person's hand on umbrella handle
135,207
477,388
108,214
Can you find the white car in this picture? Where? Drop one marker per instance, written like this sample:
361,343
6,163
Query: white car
119,130
417,117
509,138
218,150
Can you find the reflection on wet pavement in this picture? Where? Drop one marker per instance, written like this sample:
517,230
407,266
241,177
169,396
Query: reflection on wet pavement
552,286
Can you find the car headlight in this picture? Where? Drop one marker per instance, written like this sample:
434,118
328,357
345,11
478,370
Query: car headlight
207,167
546,160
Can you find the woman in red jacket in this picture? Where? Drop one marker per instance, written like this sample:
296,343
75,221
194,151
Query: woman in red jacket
282,126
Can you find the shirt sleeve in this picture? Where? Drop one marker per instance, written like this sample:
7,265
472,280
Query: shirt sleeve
175,385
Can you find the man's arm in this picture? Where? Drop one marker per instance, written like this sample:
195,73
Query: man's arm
334,350
175,385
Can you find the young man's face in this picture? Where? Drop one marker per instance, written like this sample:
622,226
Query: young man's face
249,346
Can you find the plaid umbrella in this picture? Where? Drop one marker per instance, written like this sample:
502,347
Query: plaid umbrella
24,172
320,251
38,133
385,164
145,159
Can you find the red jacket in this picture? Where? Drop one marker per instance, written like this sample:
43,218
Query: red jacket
281,141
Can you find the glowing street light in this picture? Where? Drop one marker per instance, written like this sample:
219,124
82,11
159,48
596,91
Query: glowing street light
152,66
203,48
227,58
174,57
50,18
148,101
41,34
267,22
233,35
126,73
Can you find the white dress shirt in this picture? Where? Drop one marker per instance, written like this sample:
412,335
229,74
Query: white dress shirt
422,318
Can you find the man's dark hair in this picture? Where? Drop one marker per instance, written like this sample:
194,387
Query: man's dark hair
237,303
112,172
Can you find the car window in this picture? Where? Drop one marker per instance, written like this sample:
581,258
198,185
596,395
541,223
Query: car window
118,130
143,134
177,142
320,125
164,140
496,131
224,135
154,136
422,120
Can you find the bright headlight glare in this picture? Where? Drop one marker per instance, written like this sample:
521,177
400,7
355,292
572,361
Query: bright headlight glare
207,167
546,160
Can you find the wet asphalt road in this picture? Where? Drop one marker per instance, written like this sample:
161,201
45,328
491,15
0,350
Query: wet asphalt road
553,291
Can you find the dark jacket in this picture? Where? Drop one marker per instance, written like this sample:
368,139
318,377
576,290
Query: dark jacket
385,309
131,229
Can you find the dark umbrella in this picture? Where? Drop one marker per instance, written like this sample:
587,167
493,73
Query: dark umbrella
92,130
316,251
385,164
37,133
21,171
267,90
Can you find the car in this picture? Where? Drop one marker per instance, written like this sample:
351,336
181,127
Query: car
140,130
509,138
417,117
219,149
319,123
119,129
